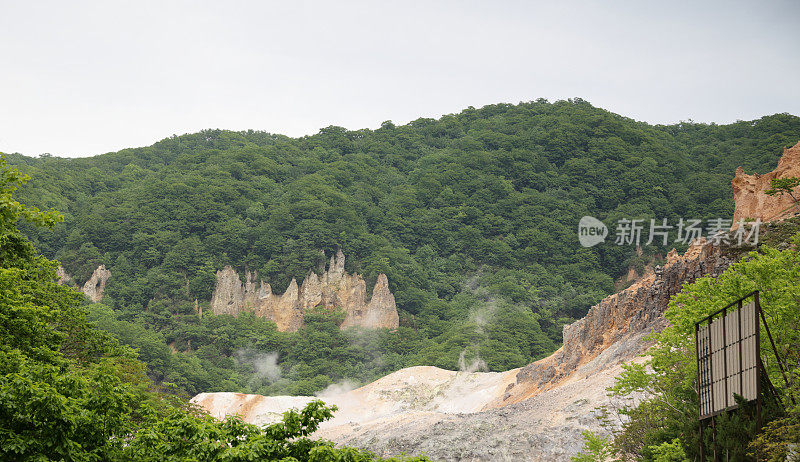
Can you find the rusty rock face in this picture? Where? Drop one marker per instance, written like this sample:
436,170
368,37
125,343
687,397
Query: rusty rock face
749,196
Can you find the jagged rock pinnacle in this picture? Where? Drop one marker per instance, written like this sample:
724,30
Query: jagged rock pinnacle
334,289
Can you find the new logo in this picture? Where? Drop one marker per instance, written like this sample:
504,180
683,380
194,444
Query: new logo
591,231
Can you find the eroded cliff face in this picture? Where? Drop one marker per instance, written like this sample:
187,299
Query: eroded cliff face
63,277
748,191
94,287
333,289
613,330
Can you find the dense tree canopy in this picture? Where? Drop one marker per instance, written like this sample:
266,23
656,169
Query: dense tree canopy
71,392
472,216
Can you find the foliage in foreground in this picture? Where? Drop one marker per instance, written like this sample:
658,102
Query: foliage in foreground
666,423
71,392
596,448
207,439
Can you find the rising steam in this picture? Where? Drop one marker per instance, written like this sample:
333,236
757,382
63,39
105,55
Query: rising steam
338,388
265,365
477,364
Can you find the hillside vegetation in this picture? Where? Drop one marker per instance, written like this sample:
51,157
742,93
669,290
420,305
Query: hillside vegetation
473,218
69,391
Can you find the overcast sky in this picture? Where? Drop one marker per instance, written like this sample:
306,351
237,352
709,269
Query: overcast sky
84,78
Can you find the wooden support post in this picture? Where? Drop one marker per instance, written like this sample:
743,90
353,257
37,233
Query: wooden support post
759,368
714,431
702,443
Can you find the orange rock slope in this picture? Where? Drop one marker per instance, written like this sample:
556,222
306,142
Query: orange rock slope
612,331
749,196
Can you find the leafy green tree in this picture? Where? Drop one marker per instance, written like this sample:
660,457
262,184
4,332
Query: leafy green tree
67,391
596,448
185,437
781,186
671,451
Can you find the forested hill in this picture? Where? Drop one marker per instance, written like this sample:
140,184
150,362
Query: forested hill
473,218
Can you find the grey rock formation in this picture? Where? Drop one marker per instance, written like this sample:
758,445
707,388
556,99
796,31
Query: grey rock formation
96,284
228,293
63,277
333,289
380,312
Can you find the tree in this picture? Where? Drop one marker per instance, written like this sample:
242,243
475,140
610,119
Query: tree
15,249
487,197
596,448
67,390
781,186
671,451
186,437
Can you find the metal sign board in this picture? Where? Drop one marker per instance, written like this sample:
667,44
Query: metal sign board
728,356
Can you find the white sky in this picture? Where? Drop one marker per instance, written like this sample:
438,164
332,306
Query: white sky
81,78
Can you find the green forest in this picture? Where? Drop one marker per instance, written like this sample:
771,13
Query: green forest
71,392
473,218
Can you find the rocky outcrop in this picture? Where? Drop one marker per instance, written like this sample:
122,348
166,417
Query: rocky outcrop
618,319
750,199
63,277
334,289
380,312
93,288
96,284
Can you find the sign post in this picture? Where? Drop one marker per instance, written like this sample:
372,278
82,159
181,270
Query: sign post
728,361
